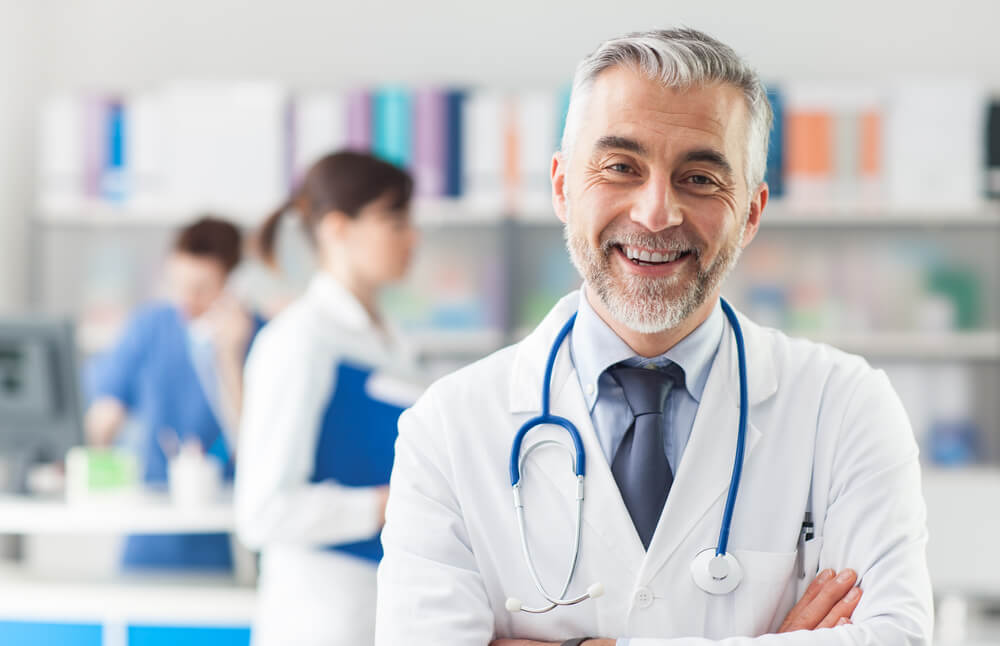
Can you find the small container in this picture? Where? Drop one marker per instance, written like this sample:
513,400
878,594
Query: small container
194,478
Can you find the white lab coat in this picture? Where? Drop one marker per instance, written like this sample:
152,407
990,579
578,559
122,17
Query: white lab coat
306,595
826,433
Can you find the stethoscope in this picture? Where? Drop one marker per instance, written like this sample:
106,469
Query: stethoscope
714,570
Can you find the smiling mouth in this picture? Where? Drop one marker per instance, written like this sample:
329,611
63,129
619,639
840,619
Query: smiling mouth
643,257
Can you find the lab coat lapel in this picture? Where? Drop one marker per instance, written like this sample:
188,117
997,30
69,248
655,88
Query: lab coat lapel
604,510
706,467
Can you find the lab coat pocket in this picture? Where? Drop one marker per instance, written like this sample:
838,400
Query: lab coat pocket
800,579
755,603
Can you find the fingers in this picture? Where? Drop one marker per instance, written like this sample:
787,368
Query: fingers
843,609
817,584
821,600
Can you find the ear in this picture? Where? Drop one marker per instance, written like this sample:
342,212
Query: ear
558,175
332,227
757,204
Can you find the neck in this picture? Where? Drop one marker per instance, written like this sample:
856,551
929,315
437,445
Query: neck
656,343
366,293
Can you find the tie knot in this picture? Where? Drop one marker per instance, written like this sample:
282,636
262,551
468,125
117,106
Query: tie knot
646,390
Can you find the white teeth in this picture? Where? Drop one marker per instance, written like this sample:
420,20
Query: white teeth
633,253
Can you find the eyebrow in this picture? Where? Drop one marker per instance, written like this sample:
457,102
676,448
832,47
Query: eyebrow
710,156
613,142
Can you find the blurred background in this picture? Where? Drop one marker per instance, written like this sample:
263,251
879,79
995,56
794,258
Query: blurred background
123,120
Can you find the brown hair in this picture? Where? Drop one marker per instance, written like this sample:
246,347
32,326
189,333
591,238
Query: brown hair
344,181
211,237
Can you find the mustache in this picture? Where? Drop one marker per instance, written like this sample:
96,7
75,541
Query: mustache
673,242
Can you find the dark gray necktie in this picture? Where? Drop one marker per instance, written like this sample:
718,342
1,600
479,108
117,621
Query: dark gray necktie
640,465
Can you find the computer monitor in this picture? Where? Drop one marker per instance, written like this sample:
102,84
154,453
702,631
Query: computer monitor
40,408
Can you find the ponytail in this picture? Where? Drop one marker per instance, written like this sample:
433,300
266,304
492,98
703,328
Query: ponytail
345,181
267,236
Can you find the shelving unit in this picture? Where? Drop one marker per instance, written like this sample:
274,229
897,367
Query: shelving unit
530,247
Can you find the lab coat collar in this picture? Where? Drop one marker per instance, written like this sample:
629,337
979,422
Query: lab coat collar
529,362
337,302
704,472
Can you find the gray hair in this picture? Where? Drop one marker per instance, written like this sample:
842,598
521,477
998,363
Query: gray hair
679,58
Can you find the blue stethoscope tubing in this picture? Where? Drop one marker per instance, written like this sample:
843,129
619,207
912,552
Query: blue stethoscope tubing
579,467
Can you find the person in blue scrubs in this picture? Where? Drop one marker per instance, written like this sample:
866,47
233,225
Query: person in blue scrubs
177,371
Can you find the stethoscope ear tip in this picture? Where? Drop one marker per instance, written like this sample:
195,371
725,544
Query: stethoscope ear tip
513,605
595,590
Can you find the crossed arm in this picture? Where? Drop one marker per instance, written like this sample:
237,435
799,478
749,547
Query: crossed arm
827,603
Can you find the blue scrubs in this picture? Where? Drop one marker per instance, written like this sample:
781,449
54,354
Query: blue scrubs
152,373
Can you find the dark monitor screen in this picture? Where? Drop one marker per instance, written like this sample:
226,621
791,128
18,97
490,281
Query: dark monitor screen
40,408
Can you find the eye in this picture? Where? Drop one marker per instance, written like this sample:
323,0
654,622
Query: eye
620,167
701,180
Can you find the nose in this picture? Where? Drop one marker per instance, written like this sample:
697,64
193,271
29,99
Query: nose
656,207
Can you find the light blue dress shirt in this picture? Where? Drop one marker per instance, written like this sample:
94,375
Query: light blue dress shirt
594,347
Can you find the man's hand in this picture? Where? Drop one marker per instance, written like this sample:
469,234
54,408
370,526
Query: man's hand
827,602
528,642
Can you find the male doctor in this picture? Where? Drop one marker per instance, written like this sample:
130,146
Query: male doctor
659,182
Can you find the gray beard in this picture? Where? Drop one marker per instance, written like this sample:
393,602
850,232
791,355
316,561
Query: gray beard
644,304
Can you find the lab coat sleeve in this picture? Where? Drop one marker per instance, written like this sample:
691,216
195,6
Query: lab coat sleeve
430,591
286,389
875,523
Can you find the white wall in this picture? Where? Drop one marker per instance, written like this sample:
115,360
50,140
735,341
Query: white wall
18,92
516,43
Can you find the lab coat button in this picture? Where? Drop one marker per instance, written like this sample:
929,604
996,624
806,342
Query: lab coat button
643,597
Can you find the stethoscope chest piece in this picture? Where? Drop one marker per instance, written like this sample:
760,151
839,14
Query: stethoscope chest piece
716,574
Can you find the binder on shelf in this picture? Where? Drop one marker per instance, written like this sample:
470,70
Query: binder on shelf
536,119
775,174
808,148
993,150
934,146
454,161
226,146
484,148
319,127
393,125
144,151
113,181
359,120
95,142
564,97
833,146
430,142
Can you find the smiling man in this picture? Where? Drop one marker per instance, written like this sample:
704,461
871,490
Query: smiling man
660,185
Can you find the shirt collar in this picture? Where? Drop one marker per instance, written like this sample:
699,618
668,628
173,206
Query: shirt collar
337,302
595,347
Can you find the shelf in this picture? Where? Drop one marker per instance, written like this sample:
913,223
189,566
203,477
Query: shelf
434,213
176,600
146,513
962,346
444,213
786,216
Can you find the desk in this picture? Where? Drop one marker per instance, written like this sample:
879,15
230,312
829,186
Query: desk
120,609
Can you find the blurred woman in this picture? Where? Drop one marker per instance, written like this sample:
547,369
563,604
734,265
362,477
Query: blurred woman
177,370
310,486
